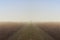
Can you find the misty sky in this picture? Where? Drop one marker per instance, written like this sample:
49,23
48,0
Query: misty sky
26,10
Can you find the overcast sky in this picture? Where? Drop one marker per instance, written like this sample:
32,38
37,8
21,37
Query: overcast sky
27,10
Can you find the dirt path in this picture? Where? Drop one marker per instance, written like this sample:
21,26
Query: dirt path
40,34
30,32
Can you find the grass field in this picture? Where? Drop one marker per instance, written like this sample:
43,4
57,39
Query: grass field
29,31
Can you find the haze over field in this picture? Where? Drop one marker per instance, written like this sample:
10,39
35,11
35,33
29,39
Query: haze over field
29,19
46,10
30,10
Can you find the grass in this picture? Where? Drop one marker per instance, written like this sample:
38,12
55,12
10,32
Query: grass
29,31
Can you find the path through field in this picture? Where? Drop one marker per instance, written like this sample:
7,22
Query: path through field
30,32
